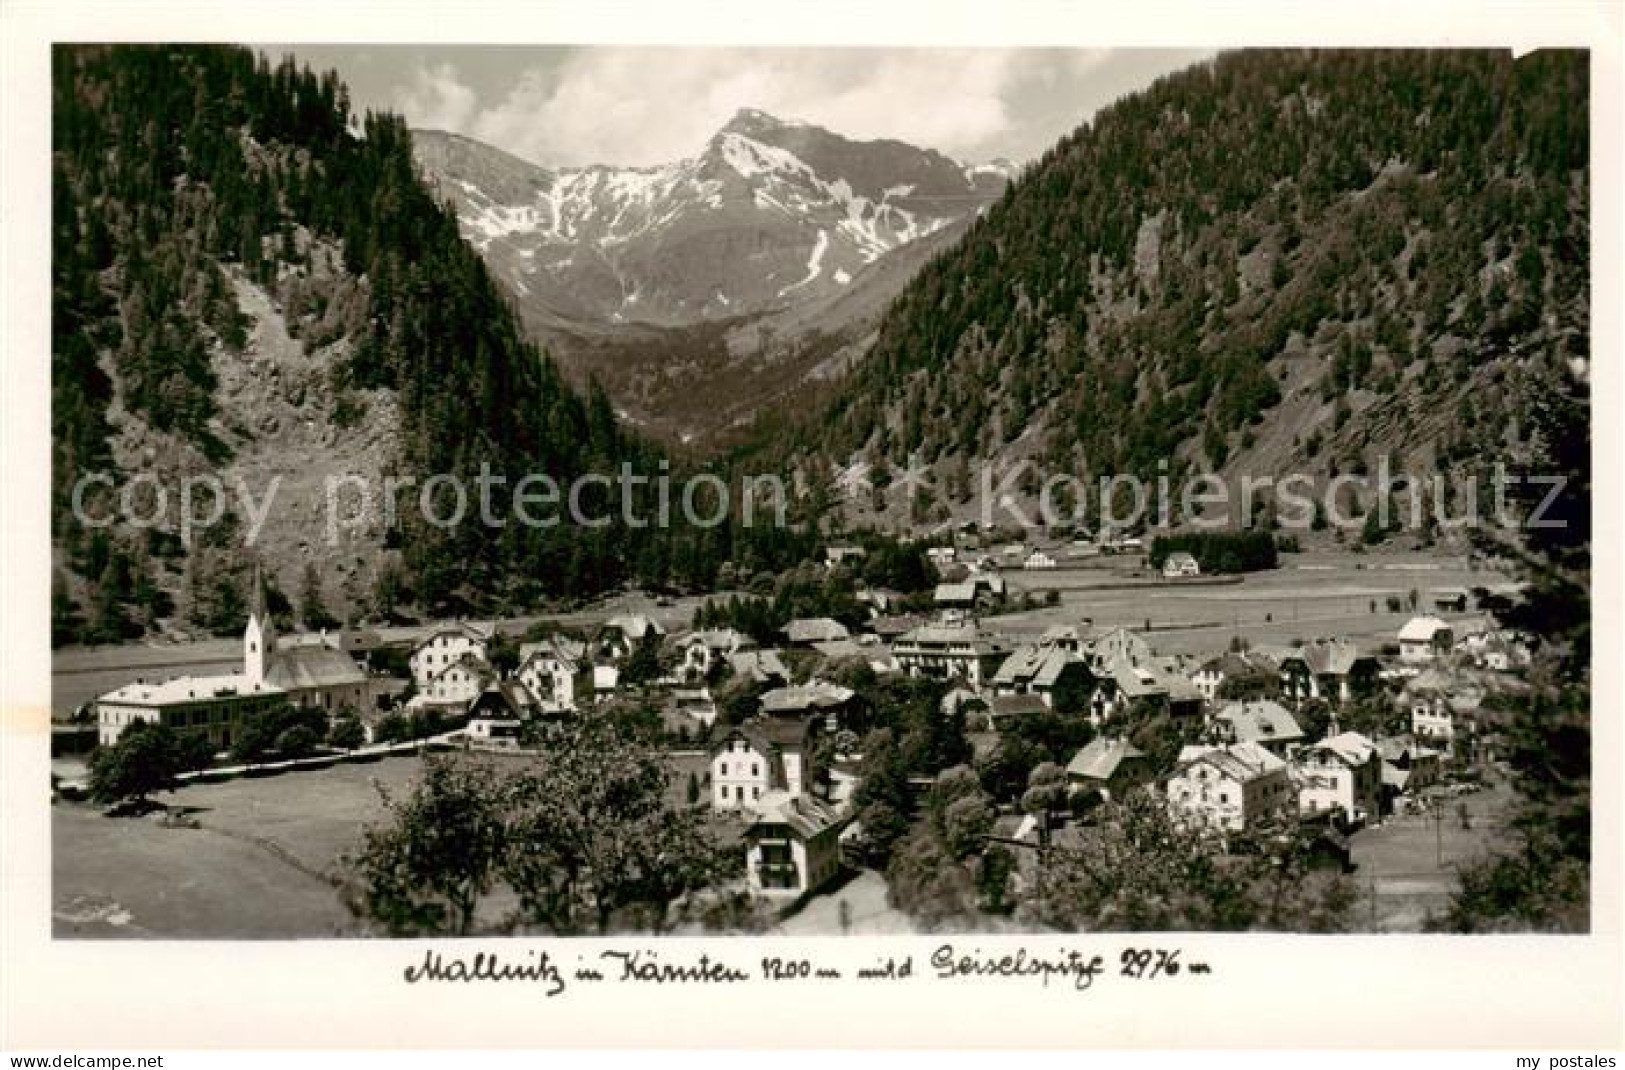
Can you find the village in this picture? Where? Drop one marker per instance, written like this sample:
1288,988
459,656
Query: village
765,723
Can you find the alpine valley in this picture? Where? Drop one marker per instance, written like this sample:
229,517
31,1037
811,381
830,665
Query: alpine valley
700,290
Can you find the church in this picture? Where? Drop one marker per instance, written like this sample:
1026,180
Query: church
306,670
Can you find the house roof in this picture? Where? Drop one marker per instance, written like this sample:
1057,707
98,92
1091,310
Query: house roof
1260,721
473,663
1330,657
1421,629
815,630
554,646
956,592
307,667
1100,759
840,648
1004,706
188,689
478,633
1180,559
1240,761
634,625
721,640
501,700
760,665
1351,747
806,817
805,698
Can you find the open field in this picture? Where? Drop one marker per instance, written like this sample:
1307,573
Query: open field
1406,868
1310,596
258,867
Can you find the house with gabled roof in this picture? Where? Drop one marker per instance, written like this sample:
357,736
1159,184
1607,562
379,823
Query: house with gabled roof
815,699
760,666
1229,787
1340,774
805,631
755,759
456,685
959,651
1336,670
1211,675
446,644
793,848
1262,722
1049,672
1425,638
703,650
622,634
1110,764
496,714
556,672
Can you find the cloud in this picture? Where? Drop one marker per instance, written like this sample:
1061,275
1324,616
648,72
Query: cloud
436,99
635,106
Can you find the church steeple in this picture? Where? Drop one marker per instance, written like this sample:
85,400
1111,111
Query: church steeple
259,636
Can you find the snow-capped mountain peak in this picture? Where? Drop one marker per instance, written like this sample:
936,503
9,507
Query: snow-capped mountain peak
770,212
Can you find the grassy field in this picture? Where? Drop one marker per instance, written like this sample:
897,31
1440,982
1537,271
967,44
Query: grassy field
1310,596
259,866
1406,868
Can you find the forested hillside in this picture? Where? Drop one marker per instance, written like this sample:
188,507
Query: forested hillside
249,279
1272,261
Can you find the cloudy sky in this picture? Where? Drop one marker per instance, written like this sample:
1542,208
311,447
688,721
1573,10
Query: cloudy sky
561,106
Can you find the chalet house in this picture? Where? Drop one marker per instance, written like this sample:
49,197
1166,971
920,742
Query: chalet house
496,713
1122,683
1423,639
806,631
446,645
1118,644
1073,638
1407,766
703,650
1038,559
556,672
1331,669
1228,788
1005,710
1180,565
1262,723
950,652
1441,706
455,686
623,634
756,759
793,847
1212,674
1342,773
1109,765
760,666
816,699
940,556
1047,672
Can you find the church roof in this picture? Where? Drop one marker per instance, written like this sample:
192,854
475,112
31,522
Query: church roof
305,667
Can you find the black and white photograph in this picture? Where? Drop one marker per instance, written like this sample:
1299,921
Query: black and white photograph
531,494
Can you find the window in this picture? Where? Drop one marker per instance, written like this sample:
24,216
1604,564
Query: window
756,793
755,770
724,771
